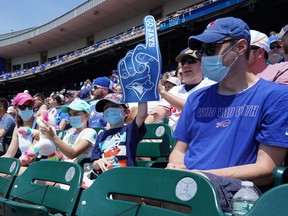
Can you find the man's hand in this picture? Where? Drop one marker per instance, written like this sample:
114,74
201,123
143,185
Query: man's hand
176,166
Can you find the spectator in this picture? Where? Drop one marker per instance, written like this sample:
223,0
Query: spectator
39,104
275,54
283,37
116,147
102,86
272,33
170,82
69,96
172,102
85,90
260,48
216,141
12,111
179,73
23,103
258,60
79,140
62,119
7,123
114,77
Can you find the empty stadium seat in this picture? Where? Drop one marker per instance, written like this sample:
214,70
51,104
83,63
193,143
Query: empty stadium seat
156,145
37,187
9,168
131,190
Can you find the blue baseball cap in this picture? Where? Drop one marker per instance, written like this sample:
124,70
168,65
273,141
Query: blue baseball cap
78,105
219,29
103,82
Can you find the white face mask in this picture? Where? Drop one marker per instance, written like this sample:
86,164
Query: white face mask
213,67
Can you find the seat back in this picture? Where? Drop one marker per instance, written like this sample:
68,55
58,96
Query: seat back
157,143
37,185
60,133
9,168
131,186
99,129
5,144
272,202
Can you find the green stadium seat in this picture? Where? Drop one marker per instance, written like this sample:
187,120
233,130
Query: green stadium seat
38,189
156,145
131,190
60,133
5,144
9,168
99,129
272,202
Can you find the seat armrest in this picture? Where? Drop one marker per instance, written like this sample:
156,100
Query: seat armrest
280,175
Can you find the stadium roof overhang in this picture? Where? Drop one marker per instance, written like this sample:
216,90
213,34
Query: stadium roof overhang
95,19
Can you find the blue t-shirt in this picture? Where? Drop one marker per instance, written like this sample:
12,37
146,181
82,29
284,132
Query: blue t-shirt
7,123
62,116
119,143
96,118
224,131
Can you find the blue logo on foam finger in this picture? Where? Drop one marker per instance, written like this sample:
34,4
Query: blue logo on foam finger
139,70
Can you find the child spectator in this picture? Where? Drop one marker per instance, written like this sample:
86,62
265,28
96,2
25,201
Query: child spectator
79,140
117,146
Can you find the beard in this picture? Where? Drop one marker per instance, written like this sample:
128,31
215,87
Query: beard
275,58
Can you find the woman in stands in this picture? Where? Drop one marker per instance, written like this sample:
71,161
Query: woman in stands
23,103
62,119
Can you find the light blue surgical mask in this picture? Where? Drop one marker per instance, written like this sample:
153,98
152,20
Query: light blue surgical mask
76,121
113,116
213,67
25,114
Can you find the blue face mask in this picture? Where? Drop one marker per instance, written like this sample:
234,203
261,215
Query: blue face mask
25,114
213,67
113,116
76,121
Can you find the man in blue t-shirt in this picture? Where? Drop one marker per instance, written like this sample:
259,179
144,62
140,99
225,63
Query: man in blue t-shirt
236,129
7,122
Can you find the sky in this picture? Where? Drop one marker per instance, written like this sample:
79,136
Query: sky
17,15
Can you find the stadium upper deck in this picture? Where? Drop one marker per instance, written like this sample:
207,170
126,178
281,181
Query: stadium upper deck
78,32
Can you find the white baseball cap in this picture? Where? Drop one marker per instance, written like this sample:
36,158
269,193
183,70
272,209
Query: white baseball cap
173,80
260,39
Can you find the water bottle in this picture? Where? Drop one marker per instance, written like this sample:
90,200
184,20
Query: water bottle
244,199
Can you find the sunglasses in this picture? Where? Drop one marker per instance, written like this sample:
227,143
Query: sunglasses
97,87
23,107
209,49
275,46
253,47
188,61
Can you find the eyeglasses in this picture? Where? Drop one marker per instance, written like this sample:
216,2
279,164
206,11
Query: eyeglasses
23,107
188,61
209,49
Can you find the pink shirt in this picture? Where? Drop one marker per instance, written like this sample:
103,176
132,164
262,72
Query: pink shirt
277,73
